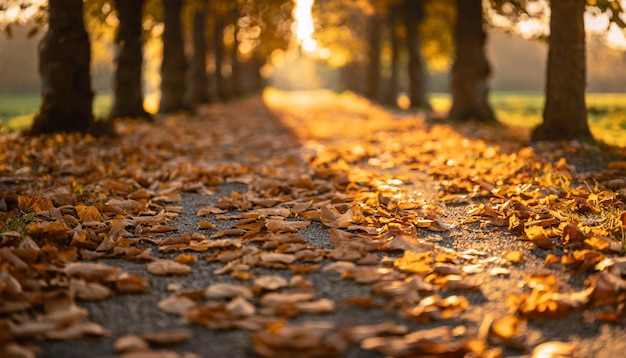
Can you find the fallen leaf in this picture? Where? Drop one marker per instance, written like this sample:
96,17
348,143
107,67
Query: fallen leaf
167,267
227,290
554,350
167,337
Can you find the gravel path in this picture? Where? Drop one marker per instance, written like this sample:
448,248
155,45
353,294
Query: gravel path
138,314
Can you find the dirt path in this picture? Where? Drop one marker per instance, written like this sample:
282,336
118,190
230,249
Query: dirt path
312,224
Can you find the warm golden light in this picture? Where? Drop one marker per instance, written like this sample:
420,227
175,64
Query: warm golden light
304,25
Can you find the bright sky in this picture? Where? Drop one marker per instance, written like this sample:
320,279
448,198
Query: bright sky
304,25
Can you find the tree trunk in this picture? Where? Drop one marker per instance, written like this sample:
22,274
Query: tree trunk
258,62
199,82
218,51
373,67
565,112
391,97
174,65
127,91
413,14
64,58
234,60
471,68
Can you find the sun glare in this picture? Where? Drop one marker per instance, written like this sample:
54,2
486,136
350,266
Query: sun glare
16,13
304,24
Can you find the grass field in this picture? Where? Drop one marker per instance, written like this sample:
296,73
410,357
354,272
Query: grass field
607,112
17,110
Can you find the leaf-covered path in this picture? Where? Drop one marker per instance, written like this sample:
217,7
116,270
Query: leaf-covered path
309,224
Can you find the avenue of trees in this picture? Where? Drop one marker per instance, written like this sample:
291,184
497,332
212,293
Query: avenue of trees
382,42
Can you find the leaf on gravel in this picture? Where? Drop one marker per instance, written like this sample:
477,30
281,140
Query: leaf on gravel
206,225
371,274
437,308
341,267
167,267
64,322
278,257
413,262
409,243
210,210
159,353
334,219
507,331
307,339
167,337
274,299
276,225
270,282
425,342
89,291
555,350
229,232
131,284
359,333
186,259
572,235
158,229
130,343
176,304
240,307
320,306
499,271
603,244
92,271
513,257
545,301
227,290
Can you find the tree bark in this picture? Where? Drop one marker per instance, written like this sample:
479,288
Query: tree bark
127,91
235,76
64,59
373,67
174,64
199,81
565,112
471,68
218,51
413,14
391,97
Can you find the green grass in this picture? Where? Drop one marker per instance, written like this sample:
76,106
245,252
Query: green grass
606,111
18,223
17,110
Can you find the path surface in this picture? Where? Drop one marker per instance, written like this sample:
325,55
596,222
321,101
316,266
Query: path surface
312,224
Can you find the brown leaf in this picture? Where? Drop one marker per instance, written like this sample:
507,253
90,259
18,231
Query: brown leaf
204,225
167,267
89,291
130,343
227,290
273,299
88,213
167,337
276,225
176,305
240,307
513,257
92,271
555,350
270,282
332,218
278,257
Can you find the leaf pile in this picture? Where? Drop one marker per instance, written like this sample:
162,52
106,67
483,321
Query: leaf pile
367,181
